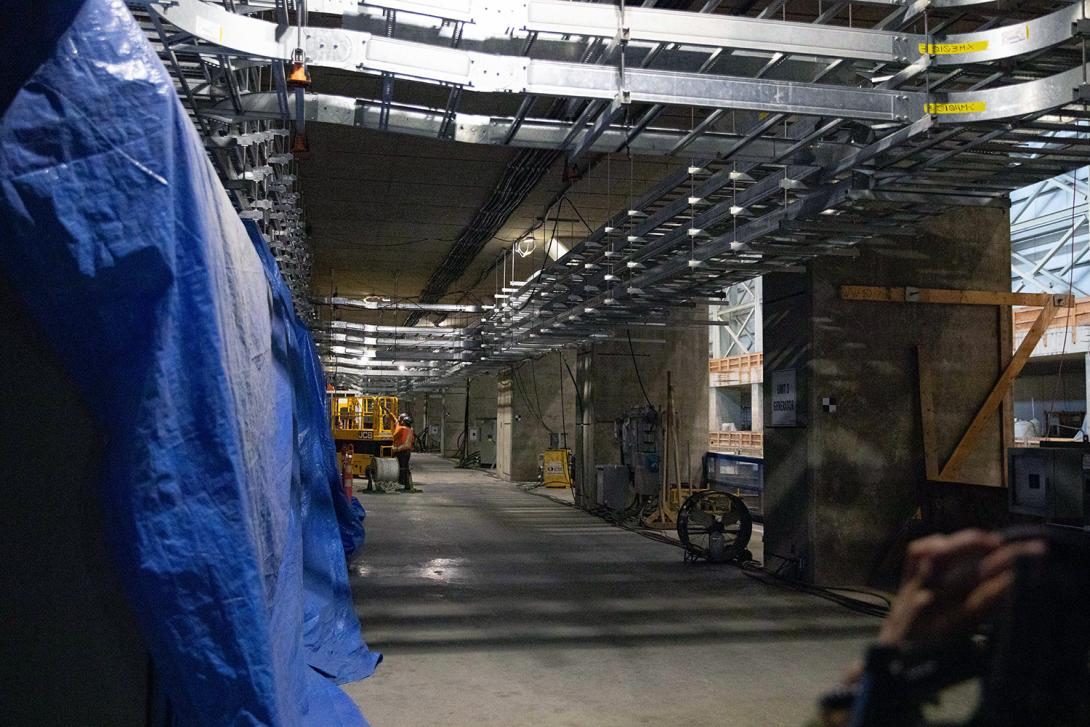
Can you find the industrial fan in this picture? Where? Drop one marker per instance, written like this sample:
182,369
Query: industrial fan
715,526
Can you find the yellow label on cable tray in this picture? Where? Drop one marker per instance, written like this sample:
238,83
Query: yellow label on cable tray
953,49
968,107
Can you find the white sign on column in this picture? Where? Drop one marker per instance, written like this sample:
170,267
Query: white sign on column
784,399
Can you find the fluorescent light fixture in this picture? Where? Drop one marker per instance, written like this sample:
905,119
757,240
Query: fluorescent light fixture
557,249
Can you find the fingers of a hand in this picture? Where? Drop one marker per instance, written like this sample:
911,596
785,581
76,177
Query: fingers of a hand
940,548
964,546
1002,559
985,595
920,552
924,547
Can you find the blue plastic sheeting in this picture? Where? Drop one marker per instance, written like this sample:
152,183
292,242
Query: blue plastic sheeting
219,480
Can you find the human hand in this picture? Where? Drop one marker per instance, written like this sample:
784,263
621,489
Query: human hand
950,583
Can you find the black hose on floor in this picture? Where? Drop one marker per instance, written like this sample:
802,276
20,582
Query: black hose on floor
751,568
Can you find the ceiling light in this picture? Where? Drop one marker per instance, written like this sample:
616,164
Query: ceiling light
526,246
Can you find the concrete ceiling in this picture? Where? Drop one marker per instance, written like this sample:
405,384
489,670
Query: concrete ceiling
596,196
383,209
380,206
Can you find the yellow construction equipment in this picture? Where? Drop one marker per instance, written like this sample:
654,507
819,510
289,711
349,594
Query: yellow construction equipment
364,421
556,467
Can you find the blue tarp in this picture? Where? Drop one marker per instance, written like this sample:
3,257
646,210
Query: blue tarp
219,482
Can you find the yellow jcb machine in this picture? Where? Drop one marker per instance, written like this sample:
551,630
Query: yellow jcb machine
364,422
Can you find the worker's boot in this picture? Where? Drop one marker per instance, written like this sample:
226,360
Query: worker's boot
373,487
408,485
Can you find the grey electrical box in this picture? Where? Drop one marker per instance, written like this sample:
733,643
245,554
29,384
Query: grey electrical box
640,437
611,486
1051,482
486,443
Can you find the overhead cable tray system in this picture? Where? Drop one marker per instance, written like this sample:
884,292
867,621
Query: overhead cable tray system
800,130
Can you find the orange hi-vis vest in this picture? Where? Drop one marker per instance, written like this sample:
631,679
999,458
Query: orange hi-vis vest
403,435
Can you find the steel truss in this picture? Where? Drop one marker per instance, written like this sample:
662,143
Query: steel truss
1050,245
811,137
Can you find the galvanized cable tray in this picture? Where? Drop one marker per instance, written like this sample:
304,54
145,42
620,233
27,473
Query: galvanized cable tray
817,169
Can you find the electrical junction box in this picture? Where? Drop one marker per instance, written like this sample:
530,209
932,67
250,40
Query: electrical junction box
486,441
640,436
611,489
1051,482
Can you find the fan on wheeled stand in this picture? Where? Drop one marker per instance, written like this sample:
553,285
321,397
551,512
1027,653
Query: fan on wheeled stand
715,526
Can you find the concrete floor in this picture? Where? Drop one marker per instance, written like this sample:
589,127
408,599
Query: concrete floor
495,606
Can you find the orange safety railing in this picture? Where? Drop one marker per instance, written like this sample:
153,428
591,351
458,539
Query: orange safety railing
736,441
748,368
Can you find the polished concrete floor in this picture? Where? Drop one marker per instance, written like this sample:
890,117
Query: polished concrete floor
495,606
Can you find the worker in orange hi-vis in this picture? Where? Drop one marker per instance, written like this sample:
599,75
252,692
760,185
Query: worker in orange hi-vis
404,438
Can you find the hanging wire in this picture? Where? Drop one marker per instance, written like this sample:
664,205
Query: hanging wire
560,381
636,367
1059,390
692,190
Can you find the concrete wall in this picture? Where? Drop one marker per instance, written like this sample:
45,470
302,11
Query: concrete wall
482,404
609,387
427,411
535,399
842,487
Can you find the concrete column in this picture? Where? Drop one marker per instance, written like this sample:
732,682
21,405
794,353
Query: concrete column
609,387
756,402
844,484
